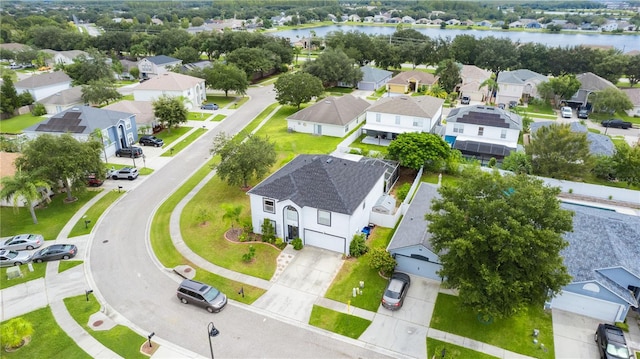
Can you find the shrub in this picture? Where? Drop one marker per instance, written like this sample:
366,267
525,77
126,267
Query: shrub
381,260
280,243
13,332
358,246
297,244
623,326
268,231
247,226
492,162
38,110
247,257
403,191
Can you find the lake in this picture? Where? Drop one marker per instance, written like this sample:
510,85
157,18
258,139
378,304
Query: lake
625,43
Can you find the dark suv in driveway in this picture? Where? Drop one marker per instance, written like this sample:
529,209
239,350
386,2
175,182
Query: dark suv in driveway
129,152
611,342
151,141
202,295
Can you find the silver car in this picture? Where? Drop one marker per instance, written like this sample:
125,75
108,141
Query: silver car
396,291
10,258
22,242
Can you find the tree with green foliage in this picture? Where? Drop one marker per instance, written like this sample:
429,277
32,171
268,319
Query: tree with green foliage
100,91
333,67
610,100
10,101
252,60
226,77
558,152
417,149
517,162
231,212
28,187
499,240
492,88
242,161
381,260
559,88
633,70
14,332
187,54
85,69
358,246
297,88
62,159
496,54
448,73
626,163
170,111
612,66
197,21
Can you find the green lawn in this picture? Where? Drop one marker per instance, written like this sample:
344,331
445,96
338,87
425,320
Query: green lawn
218,118
120,339
183,143
64,265
39,270
50,219
169,136
599,117
435,349
365,147
18,123
538,107
197,116
93,214
513,334
336,322
355,270
220,100
48,339
127,97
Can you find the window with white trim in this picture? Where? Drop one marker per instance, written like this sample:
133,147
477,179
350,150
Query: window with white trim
503,133
480,131
397,120
269,205
417,122
458,128
127,124
324,217
378,117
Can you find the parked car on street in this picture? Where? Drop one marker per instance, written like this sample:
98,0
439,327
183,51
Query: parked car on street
396,291
566,112
202,295
10,258
465,100
209,106
129,173
617,123
134,152
611,342
151,141
22,242
55,252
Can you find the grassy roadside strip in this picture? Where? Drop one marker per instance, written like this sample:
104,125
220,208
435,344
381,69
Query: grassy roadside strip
184,143
93,213
336,322
64,265
436,348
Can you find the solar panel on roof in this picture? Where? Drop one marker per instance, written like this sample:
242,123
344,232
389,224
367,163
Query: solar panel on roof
71,115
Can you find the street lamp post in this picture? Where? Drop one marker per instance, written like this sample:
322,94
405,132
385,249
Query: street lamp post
211,332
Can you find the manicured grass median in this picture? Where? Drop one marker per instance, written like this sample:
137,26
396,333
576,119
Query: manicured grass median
170,136
513,334
39,269
120,339
93,214
48,339
451,351
184,143
197,116
336,322
64,265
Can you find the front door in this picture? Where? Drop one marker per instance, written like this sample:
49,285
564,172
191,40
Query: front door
291,222
292,232
317,129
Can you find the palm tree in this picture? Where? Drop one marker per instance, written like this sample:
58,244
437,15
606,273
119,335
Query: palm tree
231,212
97,134
492,87
25,186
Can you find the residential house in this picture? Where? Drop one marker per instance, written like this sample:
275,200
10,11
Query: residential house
609,26
411,242
191,89
119,129
423,21
407,20
437,22
518,85
320,199
483,132
472,77
127,65
391,116
355,18
409,82
156,65
368,19
379,18
602,259
44,84
589,83
453,22
467,23
64,57
15,47
634,96
331,116
484,23
63,100
599,145
373,78
145,119
200,65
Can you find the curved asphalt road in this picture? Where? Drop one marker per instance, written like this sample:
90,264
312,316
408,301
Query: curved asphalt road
126,276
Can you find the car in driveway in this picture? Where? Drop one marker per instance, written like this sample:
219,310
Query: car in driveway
151,141
134,152
202,295
617,123
583,113
22,242
94,181
10,258
396,291
566,112
465,100
209,106
129,173
611,342
55,252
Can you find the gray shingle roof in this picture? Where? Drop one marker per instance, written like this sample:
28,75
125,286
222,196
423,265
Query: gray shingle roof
162,59
519,77
69,96
332,110
79,120
372,74
485,115
43,80
598,144
423,78
418,106
323,182
412,230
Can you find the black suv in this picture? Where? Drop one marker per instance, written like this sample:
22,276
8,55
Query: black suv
611,342
583,113
129,152
202,295
151,141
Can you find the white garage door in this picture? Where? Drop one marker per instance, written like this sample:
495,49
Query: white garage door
418,266
326,241
587,306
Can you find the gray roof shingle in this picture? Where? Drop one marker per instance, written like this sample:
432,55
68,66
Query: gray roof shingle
43,80
79,120
418,106
323,182
162,59
413,229
598,144
372,74
519,77
485,115
332,110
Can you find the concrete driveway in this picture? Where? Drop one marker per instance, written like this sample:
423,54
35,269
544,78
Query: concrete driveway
573,335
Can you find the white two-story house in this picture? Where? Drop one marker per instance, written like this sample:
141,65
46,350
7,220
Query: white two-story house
44,84
190,89
394,115
483,132
320,199
518,85
156,65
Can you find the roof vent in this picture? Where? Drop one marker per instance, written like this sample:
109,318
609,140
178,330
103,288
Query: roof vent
329,160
